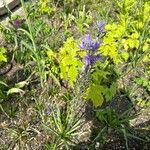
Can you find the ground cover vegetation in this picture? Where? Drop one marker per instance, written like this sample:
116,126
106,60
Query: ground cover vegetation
75,74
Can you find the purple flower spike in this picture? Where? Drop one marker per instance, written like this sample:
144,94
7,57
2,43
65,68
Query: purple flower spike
91,60
95,45
88,44
101,27
91,46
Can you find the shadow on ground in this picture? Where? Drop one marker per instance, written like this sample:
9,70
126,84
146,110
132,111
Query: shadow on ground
138,136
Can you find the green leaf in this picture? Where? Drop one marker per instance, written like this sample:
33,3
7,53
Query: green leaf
94,93
138,81
21,84
50,53
14,90
98,75
3,83
3,57
125,55
110,92
145,83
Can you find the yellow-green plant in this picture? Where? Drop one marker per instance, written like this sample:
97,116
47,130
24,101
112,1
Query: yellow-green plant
101,89
111,43
127,39
69,64
3,57
45,7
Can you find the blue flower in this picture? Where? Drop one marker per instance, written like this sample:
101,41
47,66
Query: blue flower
91,46
91,60
88,44
101,27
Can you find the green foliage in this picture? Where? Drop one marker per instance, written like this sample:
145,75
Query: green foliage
14,90
110,118
143,103
131,42
17,88
83,20
3,90
125,39
143,82
64,126
100,88
3,57
69,64
112,43
94,93
7,32
45,7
